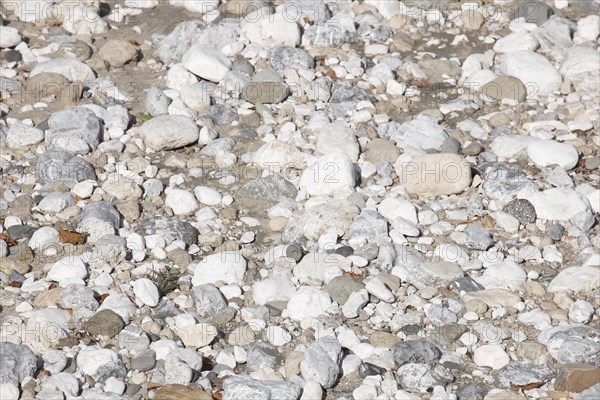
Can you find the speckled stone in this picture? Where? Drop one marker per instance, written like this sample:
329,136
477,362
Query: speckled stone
522,210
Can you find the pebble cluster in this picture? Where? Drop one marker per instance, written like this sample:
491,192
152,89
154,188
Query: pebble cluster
299,199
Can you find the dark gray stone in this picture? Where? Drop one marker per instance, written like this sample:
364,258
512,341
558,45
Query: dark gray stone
18,232
132,389
367,369
502,180
221,114
466,284
344,251
162,225
415,351
472,392
103,211
451,145
144,361
17,361
555,231
209,300
295,252
478,237
13,56
522,210
341,287
57,166
534,12
284,57
524,374
271,188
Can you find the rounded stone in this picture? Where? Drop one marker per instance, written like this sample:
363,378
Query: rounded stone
522,210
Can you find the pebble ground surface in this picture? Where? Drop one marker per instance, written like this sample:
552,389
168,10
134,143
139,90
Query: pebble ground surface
299,199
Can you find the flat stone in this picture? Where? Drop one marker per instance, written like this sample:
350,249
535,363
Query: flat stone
559,204
168,132
577,279
271,188
524,375
576,377
494,297
71,68
206,62
428,273
505,87
549,152
105,323
435,175
181,392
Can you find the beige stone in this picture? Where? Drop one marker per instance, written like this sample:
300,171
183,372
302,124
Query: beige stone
434,175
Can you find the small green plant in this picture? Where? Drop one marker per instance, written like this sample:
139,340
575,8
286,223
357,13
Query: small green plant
165,281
